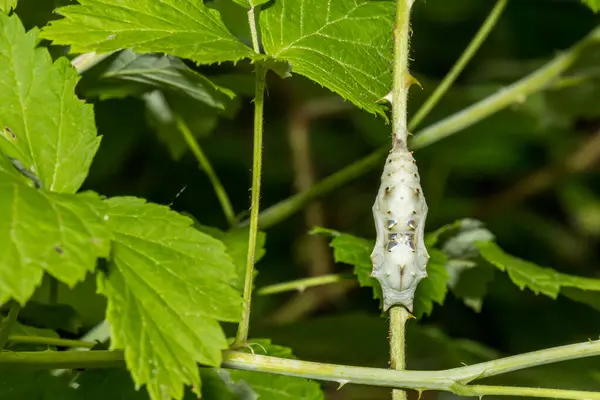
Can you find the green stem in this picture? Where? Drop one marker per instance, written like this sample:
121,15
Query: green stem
515,93
8,322
242,333
87,61
302,284
452,380
464,59
398,318
526,360
205,165
253,30
50,341
398,314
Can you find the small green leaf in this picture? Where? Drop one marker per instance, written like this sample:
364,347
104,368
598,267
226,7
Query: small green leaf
7,5
594,5
434,287
258,385
62,234
344,45
186,29
167,285
46,127
538,279
130,73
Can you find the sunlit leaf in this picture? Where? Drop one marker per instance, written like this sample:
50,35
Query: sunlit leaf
182,28
45,127
344,45
167,285
62,234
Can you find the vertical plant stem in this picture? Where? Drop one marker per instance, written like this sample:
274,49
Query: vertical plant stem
242,333
463,60
207,167
253,30
398,317
259,96
13,313
401,83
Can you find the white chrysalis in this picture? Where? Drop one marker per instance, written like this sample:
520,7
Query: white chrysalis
399,257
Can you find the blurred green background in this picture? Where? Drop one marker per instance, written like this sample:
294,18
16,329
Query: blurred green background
513,171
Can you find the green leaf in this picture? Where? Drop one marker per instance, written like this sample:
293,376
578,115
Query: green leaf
594,5
130,73
344,45
62,234
37,385
46,128
349,249
434,287
258,385
167,285
182,28
7,5
538,279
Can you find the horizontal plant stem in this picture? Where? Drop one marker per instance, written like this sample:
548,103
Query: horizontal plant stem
460,64
535,358
50,341
35,360
293,204
302,284
482,390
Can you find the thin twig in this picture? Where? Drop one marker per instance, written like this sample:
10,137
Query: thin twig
301,285
8,322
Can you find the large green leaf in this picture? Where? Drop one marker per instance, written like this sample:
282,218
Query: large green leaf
250,385
538,279
183,28
62,234
129,73
167,285
46,128
352,250
344,45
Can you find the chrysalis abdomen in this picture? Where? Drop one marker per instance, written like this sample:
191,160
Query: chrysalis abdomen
399,257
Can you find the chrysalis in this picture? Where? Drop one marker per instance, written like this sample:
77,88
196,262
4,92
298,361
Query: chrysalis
399,257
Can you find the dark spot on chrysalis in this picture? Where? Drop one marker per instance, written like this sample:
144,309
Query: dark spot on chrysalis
392,236
391,223
417,192
8,132
59,250
388,190
416,175
391,245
